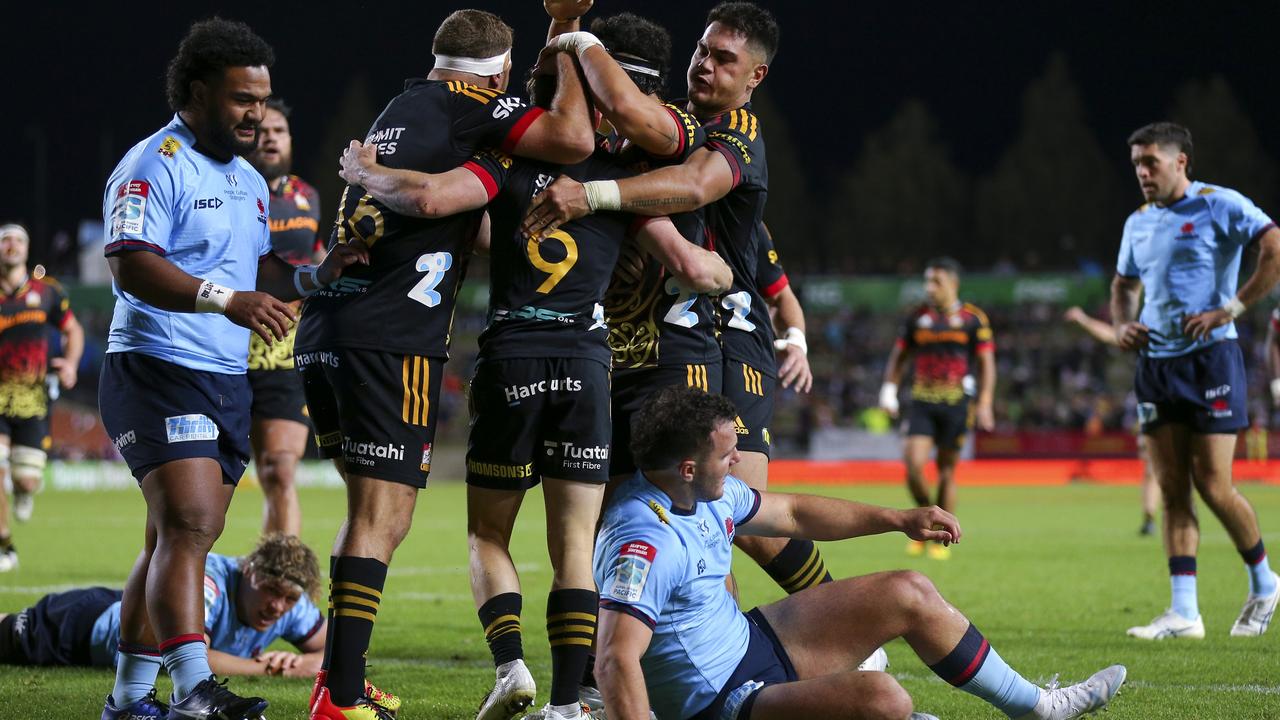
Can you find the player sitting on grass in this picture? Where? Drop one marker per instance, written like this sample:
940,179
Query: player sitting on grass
670,634
248,603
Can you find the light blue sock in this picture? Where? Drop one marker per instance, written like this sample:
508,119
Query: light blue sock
1003,687
135,676
188,666
976,668
1261,580
1182,579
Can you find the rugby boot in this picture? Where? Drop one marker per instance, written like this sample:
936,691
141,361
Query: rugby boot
376,695
1073,701
363,709
513,691
877,661
148,708
1256,614
1169,625
211,700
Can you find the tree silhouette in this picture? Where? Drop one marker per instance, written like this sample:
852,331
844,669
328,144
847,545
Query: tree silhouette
903,201
1054,189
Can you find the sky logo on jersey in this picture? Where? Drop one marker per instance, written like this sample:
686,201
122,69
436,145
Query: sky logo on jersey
130,210
505,107
632,570
190,428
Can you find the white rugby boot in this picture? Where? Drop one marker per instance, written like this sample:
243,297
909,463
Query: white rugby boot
1256,614
877,661
513,691
1073,701
1169,625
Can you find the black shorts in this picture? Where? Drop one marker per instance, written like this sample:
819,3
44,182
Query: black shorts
375,410
1206,390
948,425
532,417
766,663
32,432
278,395
56,630
632,387
157,412
751,392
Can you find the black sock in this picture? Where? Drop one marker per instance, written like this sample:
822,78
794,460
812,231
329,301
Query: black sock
589,672
798,566
355,596
571,628
500,618
328,633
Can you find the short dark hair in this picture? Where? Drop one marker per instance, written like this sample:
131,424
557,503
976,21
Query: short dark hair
675,424
637,41
210,47
472,34
280,106
751,20
943,262
1165,134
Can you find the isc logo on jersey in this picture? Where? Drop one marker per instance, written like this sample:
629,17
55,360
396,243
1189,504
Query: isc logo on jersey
632,569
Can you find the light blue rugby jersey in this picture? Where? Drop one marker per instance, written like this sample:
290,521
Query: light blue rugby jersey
1188,258
668,570
226,633
207,217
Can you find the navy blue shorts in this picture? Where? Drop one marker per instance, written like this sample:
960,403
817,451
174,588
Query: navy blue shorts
631,387
1205,390
57,629
766,663
157,412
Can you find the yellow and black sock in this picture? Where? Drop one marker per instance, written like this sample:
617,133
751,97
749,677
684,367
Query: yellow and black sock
354,597
328,633
798,566
500,618
571,628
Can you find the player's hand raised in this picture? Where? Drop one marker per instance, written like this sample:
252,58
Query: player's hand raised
1200,325
265,315
341,257
1133,336
564,200
565,10
930,523
356,161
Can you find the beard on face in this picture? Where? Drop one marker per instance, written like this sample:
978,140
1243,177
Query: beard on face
224,136
271,169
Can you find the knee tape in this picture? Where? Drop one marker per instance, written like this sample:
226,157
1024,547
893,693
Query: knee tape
28,462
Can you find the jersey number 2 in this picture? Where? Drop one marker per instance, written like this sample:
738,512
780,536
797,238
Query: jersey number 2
435,265
740,304
679,314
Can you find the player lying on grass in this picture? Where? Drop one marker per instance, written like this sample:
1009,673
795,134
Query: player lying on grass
671,637
248,603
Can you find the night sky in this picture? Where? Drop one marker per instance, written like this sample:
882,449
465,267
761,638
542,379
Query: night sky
84,84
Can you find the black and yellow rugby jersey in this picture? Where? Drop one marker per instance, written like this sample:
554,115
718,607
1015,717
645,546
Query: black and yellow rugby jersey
652,320
546,298
735,226
403,301
945,345
294,222
25,318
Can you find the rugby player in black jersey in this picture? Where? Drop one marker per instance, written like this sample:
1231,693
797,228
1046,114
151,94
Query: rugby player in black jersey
371,347
540,396
730,174
279,421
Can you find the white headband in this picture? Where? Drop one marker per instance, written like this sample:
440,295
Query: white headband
476,66
638,68
15,229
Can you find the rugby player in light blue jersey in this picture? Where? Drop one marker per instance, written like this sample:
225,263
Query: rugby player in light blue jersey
1182,250
189,248
671,635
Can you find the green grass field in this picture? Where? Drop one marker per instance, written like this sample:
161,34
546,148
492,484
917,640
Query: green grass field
1052,576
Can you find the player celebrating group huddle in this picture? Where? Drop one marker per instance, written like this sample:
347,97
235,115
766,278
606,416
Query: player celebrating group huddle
372,347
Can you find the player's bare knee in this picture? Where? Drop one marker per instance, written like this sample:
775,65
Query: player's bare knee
276,470
192,528
884,699
912,591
